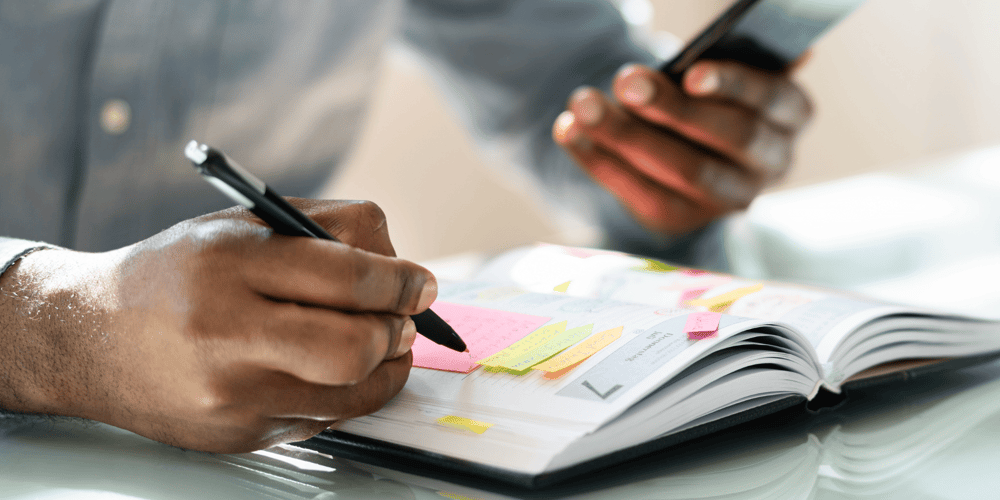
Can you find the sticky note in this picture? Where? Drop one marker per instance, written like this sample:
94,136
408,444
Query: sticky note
529,343
702,325
548,349
456,496
580,352
562,288
485,331
654,266
691,294
465,424
693,272
560,373
720,302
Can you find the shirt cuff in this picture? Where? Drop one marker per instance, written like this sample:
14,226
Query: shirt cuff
11,250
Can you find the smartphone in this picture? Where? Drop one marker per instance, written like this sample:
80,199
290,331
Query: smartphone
767,34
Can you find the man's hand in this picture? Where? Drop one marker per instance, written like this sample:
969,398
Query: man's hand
679,158
217,334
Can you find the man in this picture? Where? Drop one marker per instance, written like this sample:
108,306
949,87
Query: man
209,331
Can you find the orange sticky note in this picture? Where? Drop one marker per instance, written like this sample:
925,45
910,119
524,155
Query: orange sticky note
485,331
560,373
702,325
581,351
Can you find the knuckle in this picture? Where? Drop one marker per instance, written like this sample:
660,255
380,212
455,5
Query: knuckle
371,214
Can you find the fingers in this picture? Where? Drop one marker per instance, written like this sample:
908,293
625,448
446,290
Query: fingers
773,96
357,223
676,164
367,396
295,409
323,346
334,275
735,132
656,206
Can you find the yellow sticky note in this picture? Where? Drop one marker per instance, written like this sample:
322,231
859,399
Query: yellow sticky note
562,288
655,266
456,496
527,344
550,348
580,352
720,302
465,424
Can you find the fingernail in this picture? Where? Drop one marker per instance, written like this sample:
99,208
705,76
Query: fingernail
407,337
770,150
587,107
637,89
703,80
566,133
428,294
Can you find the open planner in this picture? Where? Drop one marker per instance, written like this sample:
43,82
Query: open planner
583,358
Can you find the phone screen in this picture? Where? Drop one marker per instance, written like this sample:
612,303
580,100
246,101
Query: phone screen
768,34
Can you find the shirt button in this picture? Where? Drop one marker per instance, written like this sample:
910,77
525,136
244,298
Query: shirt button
115,116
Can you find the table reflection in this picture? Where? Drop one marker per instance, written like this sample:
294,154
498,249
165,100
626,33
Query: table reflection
927,438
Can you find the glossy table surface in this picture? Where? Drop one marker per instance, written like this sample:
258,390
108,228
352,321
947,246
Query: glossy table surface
931,438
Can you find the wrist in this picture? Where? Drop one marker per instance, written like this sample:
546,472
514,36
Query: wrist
47,328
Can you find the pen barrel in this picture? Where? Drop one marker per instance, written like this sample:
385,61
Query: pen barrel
437,330
293,219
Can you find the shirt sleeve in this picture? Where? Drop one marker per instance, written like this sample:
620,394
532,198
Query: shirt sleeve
507,69
12,249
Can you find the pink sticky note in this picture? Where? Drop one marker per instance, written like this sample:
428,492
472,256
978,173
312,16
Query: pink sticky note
693,272
485,331
691,294
702,325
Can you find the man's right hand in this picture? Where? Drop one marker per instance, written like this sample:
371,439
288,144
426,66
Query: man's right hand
216,334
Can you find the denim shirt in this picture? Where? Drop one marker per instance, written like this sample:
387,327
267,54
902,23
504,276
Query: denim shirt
98,98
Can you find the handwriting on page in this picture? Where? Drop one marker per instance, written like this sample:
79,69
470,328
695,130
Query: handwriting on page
485,331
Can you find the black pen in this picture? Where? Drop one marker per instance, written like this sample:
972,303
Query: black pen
247,190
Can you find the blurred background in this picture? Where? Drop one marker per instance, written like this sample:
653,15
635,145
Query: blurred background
898,82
